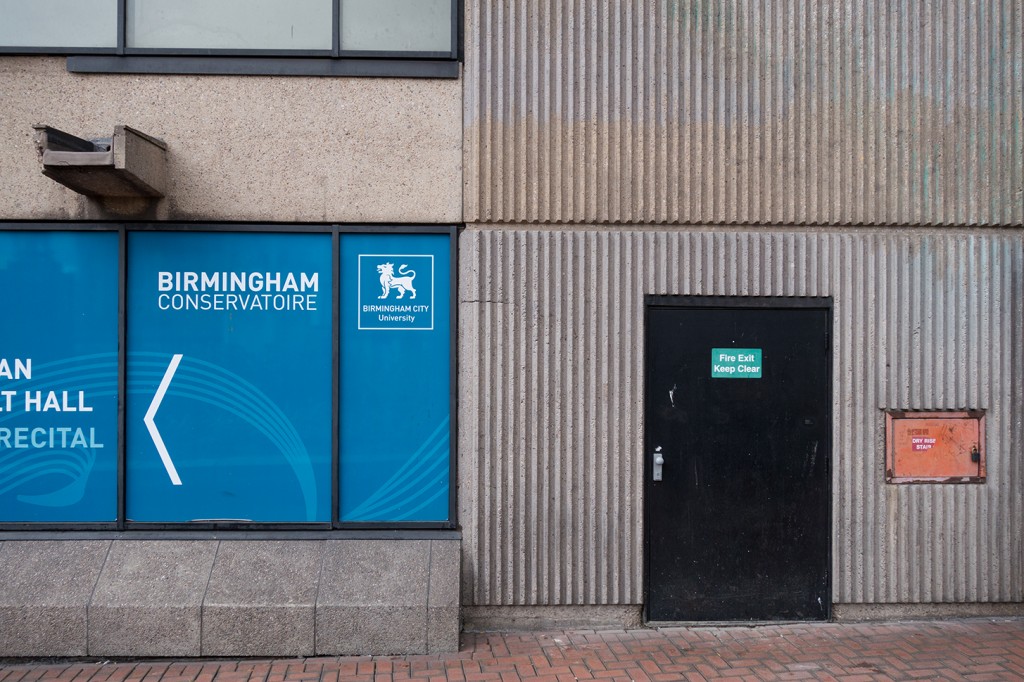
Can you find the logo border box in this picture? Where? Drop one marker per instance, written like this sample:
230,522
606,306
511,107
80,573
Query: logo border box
359,291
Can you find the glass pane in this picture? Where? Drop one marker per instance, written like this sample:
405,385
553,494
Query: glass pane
229,373
395,341
396,25
230,24
58,376
58,23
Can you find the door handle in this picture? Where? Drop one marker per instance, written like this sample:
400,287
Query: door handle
659,460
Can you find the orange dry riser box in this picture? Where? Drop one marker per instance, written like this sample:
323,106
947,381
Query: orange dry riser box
935,447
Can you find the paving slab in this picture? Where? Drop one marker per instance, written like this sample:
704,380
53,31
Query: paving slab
968,649
45,596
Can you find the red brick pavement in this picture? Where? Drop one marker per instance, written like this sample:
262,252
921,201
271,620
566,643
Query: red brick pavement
989,649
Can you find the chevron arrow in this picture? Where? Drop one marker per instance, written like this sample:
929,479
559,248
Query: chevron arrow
154,432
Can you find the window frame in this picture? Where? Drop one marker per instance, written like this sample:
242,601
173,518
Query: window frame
277,62
335,525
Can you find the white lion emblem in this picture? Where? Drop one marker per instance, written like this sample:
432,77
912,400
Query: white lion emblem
402,283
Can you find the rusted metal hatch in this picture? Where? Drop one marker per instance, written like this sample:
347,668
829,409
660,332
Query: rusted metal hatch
935,447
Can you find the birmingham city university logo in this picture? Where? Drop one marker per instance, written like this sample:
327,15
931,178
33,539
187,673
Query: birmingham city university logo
401,284
396,292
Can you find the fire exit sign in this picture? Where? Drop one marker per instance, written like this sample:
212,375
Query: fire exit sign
735,363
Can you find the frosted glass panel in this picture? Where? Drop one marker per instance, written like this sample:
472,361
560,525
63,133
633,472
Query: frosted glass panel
58,23
230,24
396,25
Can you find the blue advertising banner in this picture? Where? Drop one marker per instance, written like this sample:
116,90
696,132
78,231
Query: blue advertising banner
58,377
229,377
395,392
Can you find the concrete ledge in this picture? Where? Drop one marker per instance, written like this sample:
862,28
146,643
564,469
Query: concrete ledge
148,600
375,596
44,596
261,631
444,628
852,613
506,618
212,597
444,601
351,630
261,599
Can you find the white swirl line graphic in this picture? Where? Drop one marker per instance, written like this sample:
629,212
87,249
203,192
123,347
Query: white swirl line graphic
154,433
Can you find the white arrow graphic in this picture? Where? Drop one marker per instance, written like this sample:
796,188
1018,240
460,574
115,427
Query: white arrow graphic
154,433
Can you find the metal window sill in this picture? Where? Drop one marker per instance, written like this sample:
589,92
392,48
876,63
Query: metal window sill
264,66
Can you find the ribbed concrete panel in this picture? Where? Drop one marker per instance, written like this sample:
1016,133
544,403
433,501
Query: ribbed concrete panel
551,403
745,111
551,398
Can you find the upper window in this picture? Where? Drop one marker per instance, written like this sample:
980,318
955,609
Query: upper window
184,34
396,25
58,25
234,25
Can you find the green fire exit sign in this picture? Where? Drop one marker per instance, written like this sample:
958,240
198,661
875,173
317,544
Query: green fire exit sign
735,363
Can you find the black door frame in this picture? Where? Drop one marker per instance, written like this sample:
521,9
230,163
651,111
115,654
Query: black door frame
825,303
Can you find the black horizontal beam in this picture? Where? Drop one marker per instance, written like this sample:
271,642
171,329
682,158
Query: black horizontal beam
264,66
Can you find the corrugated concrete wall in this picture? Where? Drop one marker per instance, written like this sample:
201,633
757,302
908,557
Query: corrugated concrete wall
745,111
551,400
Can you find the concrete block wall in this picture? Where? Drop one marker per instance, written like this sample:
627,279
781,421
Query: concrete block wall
256,148
210,597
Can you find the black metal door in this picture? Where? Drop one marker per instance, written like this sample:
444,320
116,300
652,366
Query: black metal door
738,410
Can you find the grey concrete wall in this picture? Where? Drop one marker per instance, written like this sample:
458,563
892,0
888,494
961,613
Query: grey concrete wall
228,598
551,432
745,111
246,148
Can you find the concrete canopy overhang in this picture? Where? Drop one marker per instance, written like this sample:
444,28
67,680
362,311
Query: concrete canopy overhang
129,165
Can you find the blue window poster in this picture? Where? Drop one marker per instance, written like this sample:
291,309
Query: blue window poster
229,412
58,377
395,384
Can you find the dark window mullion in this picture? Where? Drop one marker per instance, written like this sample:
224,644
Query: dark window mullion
122,376
122,25
335,373
455,40
336,35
